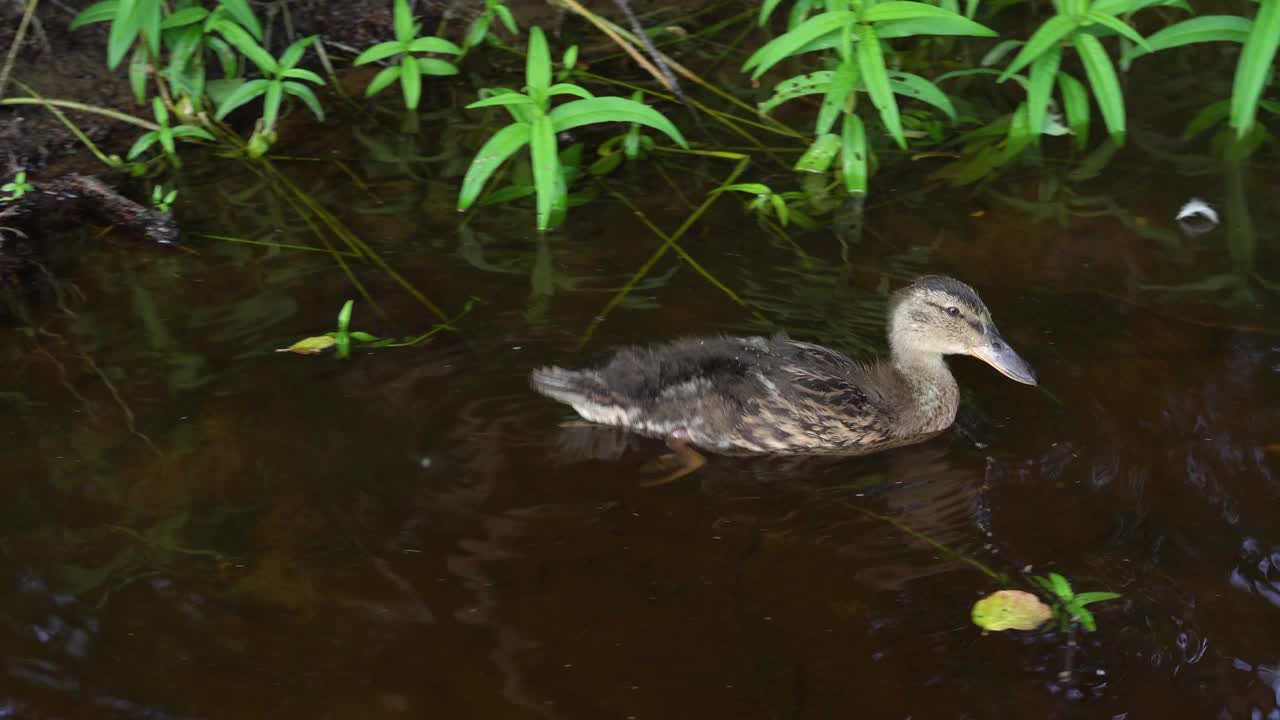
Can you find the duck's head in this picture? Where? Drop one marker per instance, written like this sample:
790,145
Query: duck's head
937,315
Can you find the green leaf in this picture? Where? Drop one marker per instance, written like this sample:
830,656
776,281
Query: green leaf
185,16
435,45
96,13
748,188
999,51
1085,618
784,46
344,316
853,155
766,9
797,86
538,62
1206,28
436,67
506,18
410,81
939,25
1043,72
301,74
897,10
820,154
492,154
293,53
1085,598
243,14
151,16
242,95
184,46
503,99
1060,586
380,81
138,73
304,93
271,105
1075,103
840,87
183,131
1208,116
381,51
402,21
124,30
1255,66
1128,7
1106,87
612,109
545,160
475,35
141,144
1048,34
569,89
876,80
244,42
914,86
1119,26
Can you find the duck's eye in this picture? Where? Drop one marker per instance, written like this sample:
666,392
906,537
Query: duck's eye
953,311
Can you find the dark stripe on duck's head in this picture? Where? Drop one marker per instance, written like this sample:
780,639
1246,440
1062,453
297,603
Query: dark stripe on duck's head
958,294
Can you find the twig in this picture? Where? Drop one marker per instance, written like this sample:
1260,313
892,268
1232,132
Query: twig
17,43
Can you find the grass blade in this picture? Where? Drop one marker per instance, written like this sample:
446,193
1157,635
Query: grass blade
1106,87
1254,66
876,80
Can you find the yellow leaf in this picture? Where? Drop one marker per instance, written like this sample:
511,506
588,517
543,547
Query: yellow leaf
310,346
1010,610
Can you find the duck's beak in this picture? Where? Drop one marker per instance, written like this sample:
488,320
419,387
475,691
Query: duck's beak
994,350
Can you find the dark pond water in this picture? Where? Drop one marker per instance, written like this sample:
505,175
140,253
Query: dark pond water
194,525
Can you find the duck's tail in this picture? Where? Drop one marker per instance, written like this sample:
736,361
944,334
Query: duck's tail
584,390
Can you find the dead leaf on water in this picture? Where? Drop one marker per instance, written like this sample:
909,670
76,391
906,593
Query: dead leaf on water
1010,610
310,346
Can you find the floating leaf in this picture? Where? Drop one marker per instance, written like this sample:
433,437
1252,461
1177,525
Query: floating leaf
1010,610
311,345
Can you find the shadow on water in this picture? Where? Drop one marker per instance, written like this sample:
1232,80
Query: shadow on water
195,526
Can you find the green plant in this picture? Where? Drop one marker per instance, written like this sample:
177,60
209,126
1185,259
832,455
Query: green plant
1260,38
1069,606
482,27
166,135
16,188
782,206
536,124
855,31
282,79
161,200
411,68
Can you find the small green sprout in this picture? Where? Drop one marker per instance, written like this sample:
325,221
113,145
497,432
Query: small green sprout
1069,608
16,189
410,68
161,200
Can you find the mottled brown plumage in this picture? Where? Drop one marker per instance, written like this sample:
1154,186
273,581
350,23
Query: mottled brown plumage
778,395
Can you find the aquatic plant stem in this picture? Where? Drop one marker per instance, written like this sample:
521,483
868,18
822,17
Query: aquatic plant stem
668,242
978,565
665,78
18,37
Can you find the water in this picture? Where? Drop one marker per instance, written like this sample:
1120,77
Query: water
197,526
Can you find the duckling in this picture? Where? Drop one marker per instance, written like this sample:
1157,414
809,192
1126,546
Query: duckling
782,396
